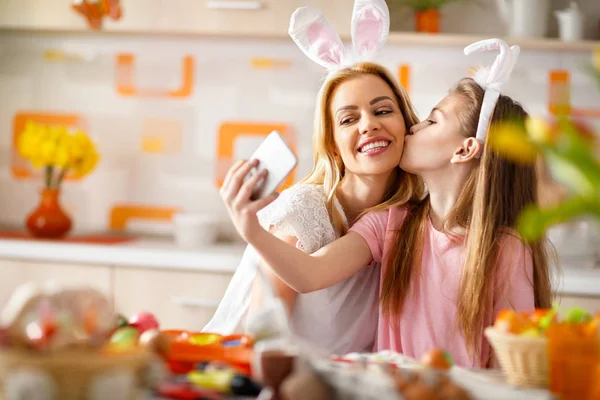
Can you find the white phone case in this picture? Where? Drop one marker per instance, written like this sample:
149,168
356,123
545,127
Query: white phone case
275,156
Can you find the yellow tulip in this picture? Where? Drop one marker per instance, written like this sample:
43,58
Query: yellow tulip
55,146
539,130
511,141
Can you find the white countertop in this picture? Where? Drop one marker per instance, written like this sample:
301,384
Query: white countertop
146,253
220,257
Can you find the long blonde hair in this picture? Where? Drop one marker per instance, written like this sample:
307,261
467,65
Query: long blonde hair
328,170
496,192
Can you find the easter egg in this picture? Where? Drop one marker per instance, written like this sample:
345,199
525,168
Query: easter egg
510,321
437,358
531,332
577,315
144,321
156,341
124,338
202,339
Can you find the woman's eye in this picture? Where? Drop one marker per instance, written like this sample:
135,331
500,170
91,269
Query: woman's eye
346,120
383,112
431,122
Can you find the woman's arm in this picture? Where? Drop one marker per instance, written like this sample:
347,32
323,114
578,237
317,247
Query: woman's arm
304,273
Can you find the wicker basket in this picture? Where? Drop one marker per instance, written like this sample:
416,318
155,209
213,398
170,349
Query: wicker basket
524,360
73,373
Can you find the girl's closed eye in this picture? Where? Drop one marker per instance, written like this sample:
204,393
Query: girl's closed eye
431,122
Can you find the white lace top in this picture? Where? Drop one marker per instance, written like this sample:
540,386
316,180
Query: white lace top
341,318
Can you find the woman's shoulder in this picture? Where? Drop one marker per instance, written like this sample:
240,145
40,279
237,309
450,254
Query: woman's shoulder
304,190
297,200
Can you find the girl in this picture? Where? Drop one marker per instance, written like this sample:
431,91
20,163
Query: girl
451,261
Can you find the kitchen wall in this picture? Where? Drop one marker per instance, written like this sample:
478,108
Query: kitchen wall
170,114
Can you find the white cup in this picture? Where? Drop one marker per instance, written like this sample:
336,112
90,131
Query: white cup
570,23
193,230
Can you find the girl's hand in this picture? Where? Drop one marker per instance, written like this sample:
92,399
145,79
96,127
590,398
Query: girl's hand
237,194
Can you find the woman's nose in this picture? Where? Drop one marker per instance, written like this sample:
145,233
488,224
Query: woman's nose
369,123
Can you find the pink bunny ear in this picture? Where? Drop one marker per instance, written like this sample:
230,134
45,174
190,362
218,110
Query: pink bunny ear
315,36
370,26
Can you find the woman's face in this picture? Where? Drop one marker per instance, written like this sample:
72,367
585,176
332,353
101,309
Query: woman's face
432,143
368,126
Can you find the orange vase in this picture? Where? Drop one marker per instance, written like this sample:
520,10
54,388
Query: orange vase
49,220
428,21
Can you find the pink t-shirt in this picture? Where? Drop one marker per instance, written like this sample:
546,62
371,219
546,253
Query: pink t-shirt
429,313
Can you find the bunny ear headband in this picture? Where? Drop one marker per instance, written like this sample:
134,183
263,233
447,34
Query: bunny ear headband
315,36
493,78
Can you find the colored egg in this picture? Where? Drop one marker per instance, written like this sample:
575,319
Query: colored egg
126,337
203,339
144,321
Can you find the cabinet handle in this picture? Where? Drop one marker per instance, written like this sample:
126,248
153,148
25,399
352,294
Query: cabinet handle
234,5
194,302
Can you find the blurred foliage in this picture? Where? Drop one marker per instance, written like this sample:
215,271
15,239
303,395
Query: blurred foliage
569,149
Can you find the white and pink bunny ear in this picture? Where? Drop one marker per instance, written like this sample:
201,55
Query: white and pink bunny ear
370,27
492,79
499,73
315,36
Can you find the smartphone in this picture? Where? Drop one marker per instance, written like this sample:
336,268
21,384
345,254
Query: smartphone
274,155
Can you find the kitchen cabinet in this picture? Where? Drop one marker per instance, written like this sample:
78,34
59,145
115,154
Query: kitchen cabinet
15,273
213,17
11,276
245,17
178,299
39,14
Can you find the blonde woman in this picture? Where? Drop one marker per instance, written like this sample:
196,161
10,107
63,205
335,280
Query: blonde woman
361,120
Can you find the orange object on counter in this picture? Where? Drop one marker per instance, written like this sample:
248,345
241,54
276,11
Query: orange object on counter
190,348
49,220
574,354
510,321
95,11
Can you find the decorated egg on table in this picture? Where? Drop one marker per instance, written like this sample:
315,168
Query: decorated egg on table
124,338
144,321
437,359
156,341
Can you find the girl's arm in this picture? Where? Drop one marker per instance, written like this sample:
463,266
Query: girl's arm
302,272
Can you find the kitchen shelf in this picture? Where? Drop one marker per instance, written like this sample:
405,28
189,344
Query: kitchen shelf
449,39
401,38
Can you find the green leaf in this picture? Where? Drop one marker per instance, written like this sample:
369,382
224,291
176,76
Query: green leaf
577,315
533,221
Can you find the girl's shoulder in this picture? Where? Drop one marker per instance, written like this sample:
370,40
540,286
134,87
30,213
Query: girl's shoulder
390,218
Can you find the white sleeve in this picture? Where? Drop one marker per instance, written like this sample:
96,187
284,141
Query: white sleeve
300,211
230,316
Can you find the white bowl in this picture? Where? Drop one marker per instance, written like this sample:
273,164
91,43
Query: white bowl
193,230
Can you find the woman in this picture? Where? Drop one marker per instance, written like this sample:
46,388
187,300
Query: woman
361,120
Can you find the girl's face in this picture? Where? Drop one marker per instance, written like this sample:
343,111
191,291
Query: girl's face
434,143
368,126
